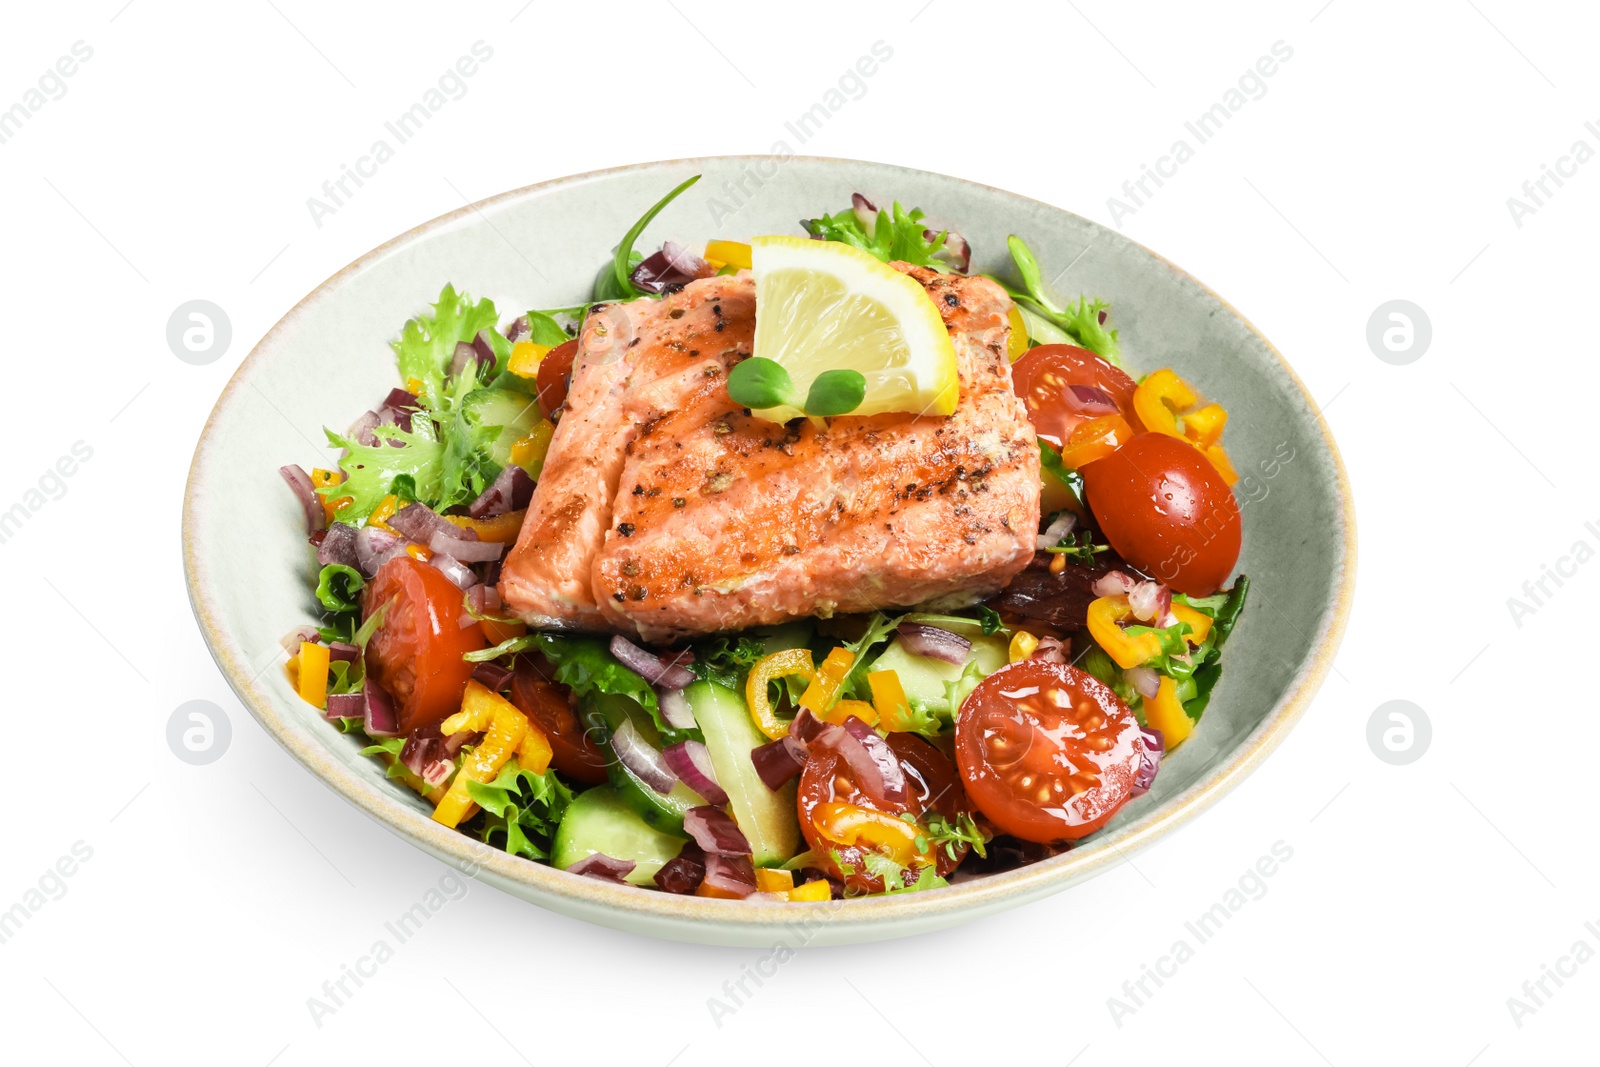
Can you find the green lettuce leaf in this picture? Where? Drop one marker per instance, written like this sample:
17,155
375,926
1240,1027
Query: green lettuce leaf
428,342
370,470
897,234
521,810
1081,321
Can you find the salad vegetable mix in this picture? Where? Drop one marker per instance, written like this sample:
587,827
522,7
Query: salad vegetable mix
826,755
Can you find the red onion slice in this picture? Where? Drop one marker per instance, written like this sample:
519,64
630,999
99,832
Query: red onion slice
691,761
1154,747
1113,583
292,640
684,872
866,211
345,706
491,676
642,758
466,354
676,711
934,642
1089,400
1051,535
310,503
464,550
730,874
873,763
360,431
1145,681
956,251
779,763
669,270
457,572
715,831
375,547
1149,601
420,523
378,711
1050,649
519,328
652,668
512,489
340,652
484,599
601,866
339,546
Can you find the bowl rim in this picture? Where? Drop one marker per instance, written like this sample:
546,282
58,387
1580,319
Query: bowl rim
691,916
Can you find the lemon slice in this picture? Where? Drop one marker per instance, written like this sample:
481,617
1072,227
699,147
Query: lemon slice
824,305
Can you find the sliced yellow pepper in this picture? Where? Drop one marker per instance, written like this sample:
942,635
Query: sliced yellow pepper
768,669
1199,622
385,510
824,688
321,479
1164,712
312,679
535,753
1095,439
1125,649
418,553
506,726
769,880
1219,459
846,708
528,452
1017,340
525,359
734,254
502,529
850,824
889,700
1204,427
818,890
1022,645
1158,399
415,387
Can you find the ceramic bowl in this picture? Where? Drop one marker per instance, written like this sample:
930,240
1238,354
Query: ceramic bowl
246,557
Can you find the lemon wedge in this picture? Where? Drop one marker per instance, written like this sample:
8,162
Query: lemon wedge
826,306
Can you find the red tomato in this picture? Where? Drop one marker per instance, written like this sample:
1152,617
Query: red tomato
1167,511
1047,752
554,372
416,653
1044,378
932,784
573,751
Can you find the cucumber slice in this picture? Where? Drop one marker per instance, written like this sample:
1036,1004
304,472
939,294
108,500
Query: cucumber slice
514,413
924,677
599,821
664,812
768,819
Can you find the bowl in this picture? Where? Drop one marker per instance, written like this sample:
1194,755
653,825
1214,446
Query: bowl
245,554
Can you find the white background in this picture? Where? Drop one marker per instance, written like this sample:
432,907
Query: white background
1377,166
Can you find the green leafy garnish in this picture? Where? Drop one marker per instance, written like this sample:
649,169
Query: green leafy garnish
897,234
1081,321
937,831
521,810
988,620
339,587
428,342
1209,670
370,470
1078,547
759,383
1057,474
726,660
543,329
835,392
620,286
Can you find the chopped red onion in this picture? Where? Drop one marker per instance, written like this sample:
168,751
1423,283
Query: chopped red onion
1145,681
779,762
453,743
466,551
806,728
676,710
651,667
375,547
378,711
467,354
669,270
642,758
691,761
491,676
484,599
601,866
511,490
866,211
458,573
345,706
424,755
873,763
292,640
360,431
1051,535
1113,583
419,522
1150,754
730,874
484,349
956,251
1089,400
715,831
1149,601
338,546
1050,650
932,641
339,651
310,502
683,873
519,328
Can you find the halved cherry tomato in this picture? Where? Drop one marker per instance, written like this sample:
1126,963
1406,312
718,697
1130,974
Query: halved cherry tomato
1047,752
416,653
1166,510
554,371
829,796
1044,378
573,751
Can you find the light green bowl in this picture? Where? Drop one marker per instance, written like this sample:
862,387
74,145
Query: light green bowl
245,552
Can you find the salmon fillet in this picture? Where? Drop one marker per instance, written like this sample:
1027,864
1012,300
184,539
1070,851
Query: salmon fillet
721,521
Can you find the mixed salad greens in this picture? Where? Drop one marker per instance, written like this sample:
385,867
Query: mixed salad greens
816,760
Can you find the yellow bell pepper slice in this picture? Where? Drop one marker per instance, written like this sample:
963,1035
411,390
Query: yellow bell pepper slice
525,359
1164,712
818,890
1022,645
385,510
824,688
1158,400
502,529
889,700
1204,427
534,753
418,553
734,254
321,479
1219,459
506,726
1125,649
415,387
1199,622
768,669
1017,339
312,678
878,831
769,880
846,708
529,451
1095,439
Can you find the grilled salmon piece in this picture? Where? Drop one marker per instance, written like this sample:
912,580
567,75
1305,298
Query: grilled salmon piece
636,362
723,521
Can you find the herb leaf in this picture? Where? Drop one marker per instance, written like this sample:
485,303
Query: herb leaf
624,261
758,383
339,587
836,392
1083,321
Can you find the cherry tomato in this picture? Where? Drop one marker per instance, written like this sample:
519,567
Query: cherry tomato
573,751
931,784
554,372
416,653
1044,378
1167,511
1047,752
